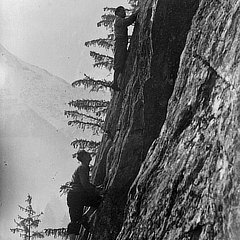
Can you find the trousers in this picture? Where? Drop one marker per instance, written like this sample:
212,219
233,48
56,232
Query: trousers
76,202
120,54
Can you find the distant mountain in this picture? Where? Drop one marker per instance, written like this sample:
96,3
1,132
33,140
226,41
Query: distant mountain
35,152
26,86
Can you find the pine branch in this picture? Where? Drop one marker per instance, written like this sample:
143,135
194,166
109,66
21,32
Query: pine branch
108,65
59,232
37,235
22,208
96,128
109,9
14,230
38,215
20,217
83,117
84,121
107,21
35,223
24,236
101,42
98,57
83,144
101,112
102,60
89,105
88,82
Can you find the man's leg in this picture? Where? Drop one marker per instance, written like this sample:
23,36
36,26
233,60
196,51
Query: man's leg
120,55
75,212
93,204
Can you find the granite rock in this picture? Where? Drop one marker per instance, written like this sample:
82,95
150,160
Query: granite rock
169,159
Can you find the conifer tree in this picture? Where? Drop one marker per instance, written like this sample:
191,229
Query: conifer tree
26,225
100,60
90,114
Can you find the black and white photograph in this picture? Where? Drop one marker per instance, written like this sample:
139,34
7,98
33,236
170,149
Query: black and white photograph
120,119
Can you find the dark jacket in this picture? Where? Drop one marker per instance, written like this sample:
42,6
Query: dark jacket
121,24
80,181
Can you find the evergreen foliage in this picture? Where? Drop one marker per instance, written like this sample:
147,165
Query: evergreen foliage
89,105
87,122
93,84
57,232
107,19
91,146
78,115
94,120
102,60
86,125
96,109
25,225
106,43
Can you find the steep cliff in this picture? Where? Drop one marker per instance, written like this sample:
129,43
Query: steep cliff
172,136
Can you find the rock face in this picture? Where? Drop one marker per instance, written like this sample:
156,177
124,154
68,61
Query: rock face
171,153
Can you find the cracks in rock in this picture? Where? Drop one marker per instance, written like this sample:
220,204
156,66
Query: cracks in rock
205,90
174,192
202,99
211,68
172,199
185,120
194,173
206,63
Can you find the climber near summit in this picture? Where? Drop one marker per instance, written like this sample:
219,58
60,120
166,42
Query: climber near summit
82,193
121,24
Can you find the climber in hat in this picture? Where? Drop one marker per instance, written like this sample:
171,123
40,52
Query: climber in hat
121,24
82,193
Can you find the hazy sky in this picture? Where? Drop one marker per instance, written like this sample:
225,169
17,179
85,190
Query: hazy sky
51,33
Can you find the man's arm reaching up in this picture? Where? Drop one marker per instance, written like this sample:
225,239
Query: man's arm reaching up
127,21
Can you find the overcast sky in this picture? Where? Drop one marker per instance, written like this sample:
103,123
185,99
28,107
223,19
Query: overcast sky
51,33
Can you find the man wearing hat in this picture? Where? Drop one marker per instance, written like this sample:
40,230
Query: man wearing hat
82,193
121,24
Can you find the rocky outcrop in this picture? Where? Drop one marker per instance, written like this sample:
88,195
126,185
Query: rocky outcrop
172,136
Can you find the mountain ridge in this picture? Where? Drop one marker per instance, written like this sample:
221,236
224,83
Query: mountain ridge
38,89
35,151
